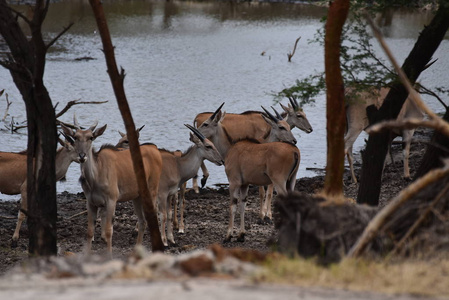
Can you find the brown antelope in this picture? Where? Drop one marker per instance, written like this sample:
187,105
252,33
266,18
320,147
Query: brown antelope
253,125
13,167
176,170
107,176
250,124
251,162
123,143
357,121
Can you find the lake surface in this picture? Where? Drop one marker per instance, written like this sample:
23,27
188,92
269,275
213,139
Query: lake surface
182,58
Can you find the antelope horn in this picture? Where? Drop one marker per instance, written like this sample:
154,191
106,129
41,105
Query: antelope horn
141,128
277,114
93,126
270,115
216,112
75,122
196,132
68,138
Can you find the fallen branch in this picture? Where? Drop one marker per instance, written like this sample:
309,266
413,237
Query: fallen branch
290,55
78,214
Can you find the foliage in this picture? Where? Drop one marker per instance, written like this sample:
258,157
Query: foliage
361,67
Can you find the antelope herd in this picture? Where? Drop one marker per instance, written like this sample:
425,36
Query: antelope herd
255,147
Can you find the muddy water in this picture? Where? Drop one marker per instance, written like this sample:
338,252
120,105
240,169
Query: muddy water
182,58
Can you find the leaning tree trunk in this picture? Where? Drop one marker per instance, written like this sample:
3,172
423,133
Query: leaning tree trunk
377,146
27,65
436,151
117,84
335,105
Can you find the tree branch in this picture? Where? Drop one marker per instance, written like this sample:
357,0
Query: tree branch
75,102
59,35
290,55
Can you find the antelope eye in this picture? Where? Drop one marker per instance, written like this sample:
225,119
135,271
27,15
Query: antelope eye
205,125
91,138
209,147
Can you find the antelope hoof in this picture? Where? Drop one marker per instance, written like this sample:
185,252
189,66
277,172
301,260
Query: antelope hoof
267,220
241,238
227,240
181,231
203,181
13,243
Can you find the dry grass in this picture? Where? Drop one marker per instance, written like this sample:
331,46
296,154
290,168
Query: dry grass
415,277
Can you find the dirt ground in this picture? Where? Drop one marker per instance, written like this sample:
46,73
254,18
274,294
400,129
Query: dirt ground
206,216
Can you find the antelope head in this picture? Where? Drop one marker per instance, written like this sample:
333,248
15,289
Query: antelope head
82,140
296,116
124,142
205,146
209,127
70,149
280,130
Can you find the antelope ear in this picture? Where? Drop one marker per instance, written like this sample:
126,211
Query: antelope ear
67,130
99,131
193,138
268,120
286,109
223,115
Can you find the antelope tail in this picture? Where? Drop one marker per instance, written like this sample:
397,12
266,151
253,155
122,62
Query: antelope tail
292,176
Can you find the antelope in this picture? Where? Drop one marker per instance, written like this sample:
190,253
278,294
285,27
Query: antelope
251,162
176,170
357,121
107,176
123,143
13,167
251,124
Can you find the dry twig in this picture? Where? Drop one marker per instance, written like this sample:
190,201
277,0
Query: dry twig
78,214
290,55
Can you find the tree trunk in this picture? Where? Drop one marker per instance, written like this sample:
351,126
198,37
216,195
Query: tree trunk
27,67
117,84
335,105
436,151
376,148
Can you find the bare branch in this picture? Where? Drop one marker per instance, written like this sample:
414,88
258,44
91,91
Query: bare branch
411,123
290,55
426,91
19,14
53,41
75,102
8,104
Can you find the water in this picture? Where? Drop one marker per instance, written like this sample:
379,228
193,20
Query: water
182,58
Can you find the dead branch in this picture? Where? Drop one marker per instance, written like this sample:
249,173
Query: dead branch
411,123
78,214
65,29
406,194
424,90
76,102
8,218
290,55
8,104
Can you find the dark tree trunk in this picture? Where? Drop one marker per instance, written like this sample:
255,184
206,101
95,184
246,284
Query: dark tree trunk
376,148
335,104
27,65
436,151
117,84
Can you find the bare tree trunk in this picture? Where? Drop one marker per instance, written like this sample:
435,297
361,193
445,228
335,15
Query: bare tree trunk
27,65
117,84
335,105
376,148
